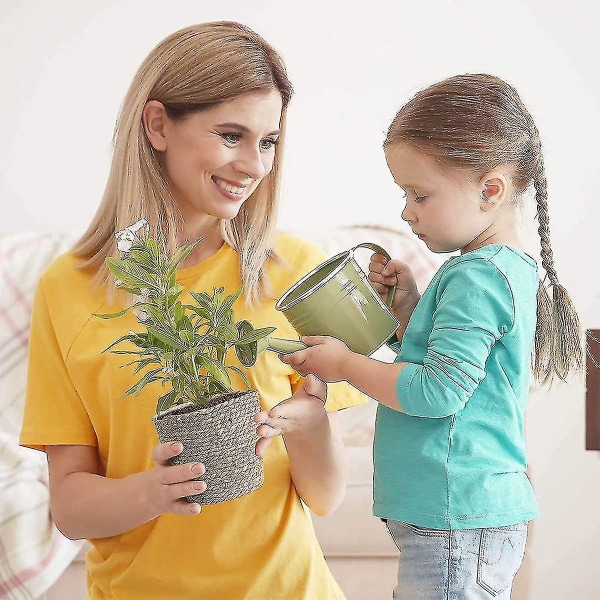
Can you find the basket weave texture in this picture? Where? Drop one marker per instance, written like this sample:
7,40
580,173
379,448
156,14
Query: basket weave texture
221,434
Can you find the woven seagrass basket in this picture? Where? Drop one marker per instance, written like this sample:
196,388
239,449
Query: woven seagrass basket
221,434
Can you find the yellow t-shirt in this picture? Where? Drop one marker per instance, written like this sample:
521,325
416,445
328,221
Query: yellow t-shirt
261,546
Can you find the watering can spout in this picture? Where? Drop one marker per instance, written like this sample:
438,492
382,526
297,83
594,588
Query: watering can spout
280,345
253,343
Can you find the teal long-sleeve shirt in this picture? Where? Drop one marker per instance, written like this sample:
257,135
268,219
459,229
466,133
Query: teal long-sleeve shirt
455,459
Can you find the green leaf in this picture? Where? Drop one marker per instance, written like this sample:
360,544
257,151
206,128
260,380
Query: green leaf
203,300
173,293
186,336
152,247
167,338
143,258
227,304
241,374
226,334
178,383
178,311
166,400
217,370
128,337
131,273
148,377
180,255
143,363
112,315
186,324
214,388
254,335
201,312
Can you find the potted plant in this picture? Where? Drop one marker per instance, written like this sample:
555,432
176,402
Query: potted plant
185,347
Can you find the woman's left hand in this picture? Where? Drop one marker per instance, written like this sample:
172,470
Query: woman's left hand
325,358
303,414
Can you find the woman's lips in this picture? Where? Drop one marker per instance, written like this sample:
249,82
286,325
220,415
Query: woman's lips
229,189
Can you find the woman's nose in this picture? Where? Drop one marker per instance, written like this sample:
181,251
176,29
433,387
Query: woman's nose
254,163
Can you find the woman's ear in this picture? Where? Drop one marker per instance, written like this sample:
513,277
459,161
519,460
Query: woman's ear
154,118
494,189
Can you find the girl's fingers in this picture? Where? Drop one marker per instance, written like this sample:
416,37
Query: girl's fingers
315,387
262,445
270,429
378,259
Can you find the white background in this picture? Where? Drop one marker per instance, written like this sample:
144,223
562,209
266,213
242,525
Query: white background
65,67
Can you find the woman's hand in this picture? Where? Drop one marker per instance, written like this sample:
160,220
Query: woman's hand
87,504
169,484
325,357
301,415
383,275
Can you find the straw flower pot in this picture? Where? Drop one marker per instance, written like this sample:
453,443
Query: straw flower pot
221,434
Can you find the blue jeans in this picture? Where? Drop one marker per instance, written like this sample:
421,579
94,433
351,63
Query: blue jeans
457,564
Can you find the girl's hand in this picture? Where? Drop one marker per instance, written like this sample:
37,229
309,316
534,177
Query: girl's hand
383,275
324,358
169,484
301,415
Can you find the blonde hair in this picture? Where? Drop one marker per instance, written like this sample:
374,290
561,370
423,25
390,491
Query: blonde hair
193,69
479,122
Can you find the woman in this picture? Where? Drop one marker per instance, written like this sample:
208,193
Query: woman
196,154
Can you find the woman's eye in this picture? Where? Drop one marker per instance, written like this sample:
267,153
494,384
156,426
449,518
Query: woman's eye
231,138
268,143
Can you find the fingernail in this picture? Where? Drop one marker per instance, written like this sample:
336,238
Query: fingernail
197,469
195,509
177,446
198,485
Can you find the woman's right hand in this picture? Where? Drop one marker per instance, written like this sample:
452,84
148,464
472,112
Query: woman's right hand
383,275
170,484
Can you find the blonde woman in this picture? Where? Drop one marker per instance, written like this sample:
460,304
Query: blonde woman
197,148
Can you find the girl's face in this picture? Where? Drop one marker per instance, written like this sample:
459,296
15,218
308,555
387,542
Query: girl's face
214,159
443,206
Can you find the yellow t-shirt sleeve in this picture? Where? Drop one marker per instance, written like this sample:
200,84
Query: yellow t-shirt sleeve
54,413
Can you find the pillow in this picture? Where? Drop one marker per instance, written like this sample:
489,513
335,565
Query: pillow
23,257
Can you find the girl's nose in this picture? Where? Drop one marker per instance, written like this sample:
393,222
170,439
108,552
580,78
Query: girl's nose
407,215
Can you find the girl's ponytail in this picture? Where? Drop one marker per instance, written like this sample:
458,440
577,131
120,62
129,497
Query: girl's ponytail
557,347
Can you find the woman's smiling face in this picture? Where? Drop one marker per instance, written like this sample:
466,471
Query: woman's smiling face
443,205
214,159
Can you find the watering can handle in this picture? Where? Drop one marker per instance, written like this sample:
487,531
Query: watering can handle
377,248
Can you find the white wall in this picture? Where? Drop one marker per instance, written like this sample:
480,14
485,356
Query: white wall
65,66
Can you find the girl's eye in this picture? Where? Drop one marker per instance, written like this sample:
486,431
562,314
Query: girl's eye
418,198
268,143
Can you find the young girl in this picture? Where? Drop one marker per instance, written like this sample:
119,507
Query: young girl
449,447
196,154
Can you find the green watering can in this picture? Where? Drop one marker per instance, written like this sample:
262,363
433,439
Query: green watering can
335,299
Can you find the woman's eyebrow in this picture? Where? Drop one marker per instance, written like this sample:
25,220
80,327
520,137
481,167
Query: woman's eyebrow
243,128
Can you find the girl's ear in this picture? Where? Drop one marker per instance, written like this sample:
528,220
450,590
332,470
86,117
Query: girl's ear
154,118
494,190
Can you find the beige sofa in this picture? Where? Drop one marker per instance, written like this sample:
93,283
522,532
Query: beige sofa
356,544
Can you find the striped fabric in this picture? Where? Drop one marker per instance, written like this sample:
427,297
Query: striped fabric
33,553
